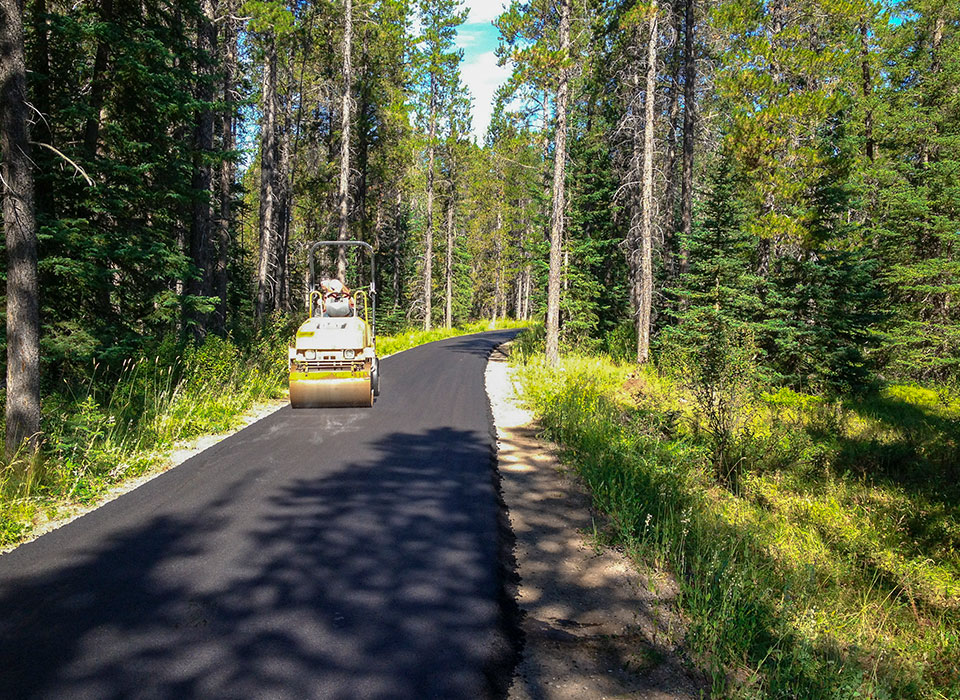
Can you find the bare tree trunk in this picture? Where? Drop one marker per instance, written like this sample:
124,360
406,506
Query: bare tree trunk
268,154
448,311
559,191
19,223
646,231
498,293
200,283
689,129
670,189
343,194
98,86
397,250
428,242
284,211
227,144
867,89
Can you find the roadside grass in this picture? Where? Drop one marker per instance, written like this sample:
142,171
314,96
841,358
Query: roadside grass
123,424
389,345
830,569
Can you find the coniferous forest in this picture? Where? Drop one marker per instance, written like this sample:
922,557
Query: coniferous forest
740,217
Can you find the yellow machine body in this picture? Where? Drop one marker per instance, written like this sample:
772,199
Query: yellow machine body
333,361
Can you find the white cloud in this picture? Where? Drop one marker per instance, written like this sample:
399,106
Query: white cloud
483,76
483,11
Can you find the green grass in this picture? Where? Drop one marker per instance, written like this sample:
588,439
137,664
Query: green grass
124,424
831,570
388,345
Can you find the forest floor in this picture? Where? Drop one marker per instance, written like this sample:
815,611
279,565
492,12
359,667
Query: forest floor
594,625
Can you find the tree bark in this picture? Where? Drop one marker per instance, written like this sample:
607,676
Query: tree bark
428,238
284,210
98,86
646,231
689,130
268,154
343,194
559,192
227,166
19,223
200,284
867,89
669,220
40,78
448,309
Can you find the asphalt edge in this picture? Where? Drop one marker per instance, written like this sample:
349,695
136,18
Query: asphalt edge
499,673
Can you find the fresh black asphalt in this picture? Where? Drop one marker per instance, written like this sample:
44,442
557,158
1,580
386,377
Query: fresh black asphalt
322,553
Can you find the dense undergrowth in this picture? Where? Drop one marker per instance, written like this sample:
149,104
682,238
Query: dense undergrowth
827,564
115,426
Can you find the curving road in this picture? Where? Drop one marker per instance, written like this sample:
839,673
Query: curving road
347,553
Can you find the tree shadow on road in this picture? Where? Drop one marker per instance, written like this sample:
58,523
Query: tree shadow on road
384,579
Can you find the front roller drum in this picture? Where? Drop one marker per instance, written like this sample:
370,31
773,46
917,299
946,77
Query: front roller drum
331,393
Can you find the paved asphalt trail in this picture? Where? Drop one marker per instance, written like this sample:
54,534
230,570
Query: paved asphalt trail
348,553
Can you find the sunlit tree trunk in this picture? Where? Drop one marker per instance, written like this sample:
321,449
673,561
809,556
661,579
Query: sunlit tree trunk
646,232
689,129
343,194
448,310
268,154
556,219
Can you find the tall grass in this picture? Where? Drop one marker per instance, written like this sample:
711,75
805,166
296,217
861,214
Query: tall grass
121,424
832,569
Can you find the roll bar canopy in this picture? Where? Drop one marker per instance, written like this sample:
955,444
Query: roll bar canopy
373,271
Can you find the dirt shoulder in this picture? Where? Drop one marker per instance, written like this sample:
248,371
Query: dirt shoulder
593,626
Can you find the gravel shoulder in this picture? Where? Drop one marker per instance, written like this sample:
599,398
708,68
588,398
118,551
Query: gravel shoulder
593,626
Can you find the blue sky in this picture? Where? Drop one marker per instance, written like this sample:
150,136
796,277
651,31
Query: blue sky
479,71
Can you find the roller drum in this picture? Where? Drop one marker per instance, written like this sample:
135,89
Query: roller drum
331,393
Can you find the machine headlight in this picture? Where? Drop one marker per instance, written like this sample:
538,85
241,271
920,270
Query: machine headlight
349,354
310,354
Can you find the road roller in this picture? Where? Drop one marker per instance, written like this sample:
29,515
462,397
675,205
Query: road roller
333,358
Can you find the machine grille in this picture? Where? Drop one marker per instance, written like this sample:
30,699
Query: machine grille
332,365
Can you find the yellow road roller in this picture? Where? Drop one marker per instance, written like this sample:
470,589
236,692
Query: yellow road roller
333,359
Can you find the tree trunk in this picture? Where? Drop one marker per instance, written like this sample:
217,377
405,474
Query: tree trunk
867,89
428,242
559,191
343,195
98,86
689,130
284,211
448,310
40,78
268,154
23,321
227,144
646,231
200,284
670,190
